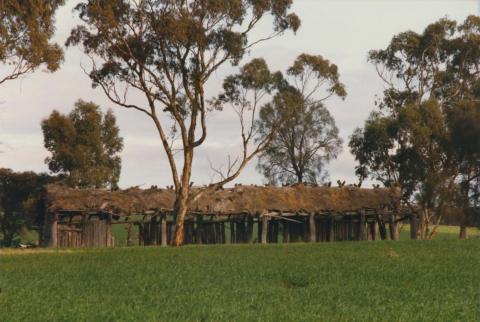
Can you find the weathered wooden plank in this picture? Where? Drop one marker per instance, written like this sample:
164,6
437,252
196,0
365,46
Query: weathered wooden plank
264,229
199,230
382,228
285,231
275,230
393,227
163,227
313,228
331,228
232,232
373,230
53,242
108,231
83,226
222,232
250,229
361,226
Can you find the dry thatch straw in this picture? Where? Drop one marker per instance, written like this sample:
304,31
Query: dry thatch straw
239,200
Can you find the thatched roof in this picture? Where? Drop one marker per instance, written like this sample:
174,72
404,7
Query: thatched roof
241,199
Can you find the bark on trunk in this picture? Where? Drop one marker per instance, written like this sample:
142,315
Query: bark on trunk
181,212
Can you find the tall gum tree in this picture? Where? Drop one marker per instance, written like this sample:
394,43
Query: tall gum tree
26,29
84,146
413,139
309,137
167,50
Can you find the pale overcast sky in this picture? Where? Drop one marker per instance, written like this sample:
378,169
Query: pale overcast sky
341,30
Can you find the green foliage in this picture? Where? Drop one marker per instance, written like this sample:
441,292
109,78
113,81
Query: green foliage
85,145
351,281
26,29
296,133
19,202
421,138
306,137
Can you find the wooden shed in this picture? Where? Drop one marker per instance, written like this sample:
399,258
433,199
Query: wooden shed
244,214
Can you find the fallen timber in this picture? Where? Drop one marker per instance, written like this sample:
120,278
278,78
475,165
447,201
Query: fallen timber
244,214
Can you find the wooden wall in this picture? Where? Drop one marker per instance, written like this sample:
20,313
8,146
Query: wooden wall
158,229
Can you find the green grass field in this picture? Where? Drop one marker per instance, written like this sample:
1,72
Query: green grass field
350,281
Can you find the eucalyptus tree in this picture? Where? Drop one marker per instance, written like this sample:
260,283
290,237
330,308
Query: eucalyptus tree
410,140
166,50
84,146
308,138
20,208
26,30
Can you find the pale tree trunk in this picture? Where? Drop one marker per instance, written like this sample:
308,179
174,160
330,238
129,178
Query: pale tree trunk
182,198
181,212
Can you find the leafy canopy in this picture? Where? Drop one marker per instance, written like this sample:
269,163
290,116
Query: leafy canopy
85,145
19,202
424,136
26,29
308,137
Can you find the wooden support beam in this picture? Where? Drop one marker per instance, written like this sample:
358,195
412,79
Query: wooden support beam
361,226
250,229
393,228
145,235
275,230
153,230
53,241
108,231
313,228
331,228
286,231
199,231
222,232
163,227
232,232
373,230
84,227
382,228
259,229
264,229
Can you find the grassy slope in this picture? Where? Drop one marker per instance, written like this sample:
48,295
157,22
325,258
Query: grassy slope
387,281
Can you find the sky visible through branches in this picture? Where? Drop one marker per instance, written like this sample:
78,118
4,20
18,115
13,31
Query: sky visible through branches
341,31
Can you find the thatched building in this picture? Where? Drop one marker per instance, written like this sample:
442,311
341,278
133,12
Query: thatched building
244,214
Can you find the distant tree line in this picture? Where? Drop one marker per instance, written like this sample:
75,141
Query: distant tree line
425,134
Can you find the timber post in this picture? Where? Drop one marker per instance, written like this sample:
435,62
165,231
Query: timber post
199,231
313,228
249,229
53,242
361,225
108,233
373,230
331,226
232,231
382,228
84,227
393,227
163,227
264,229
